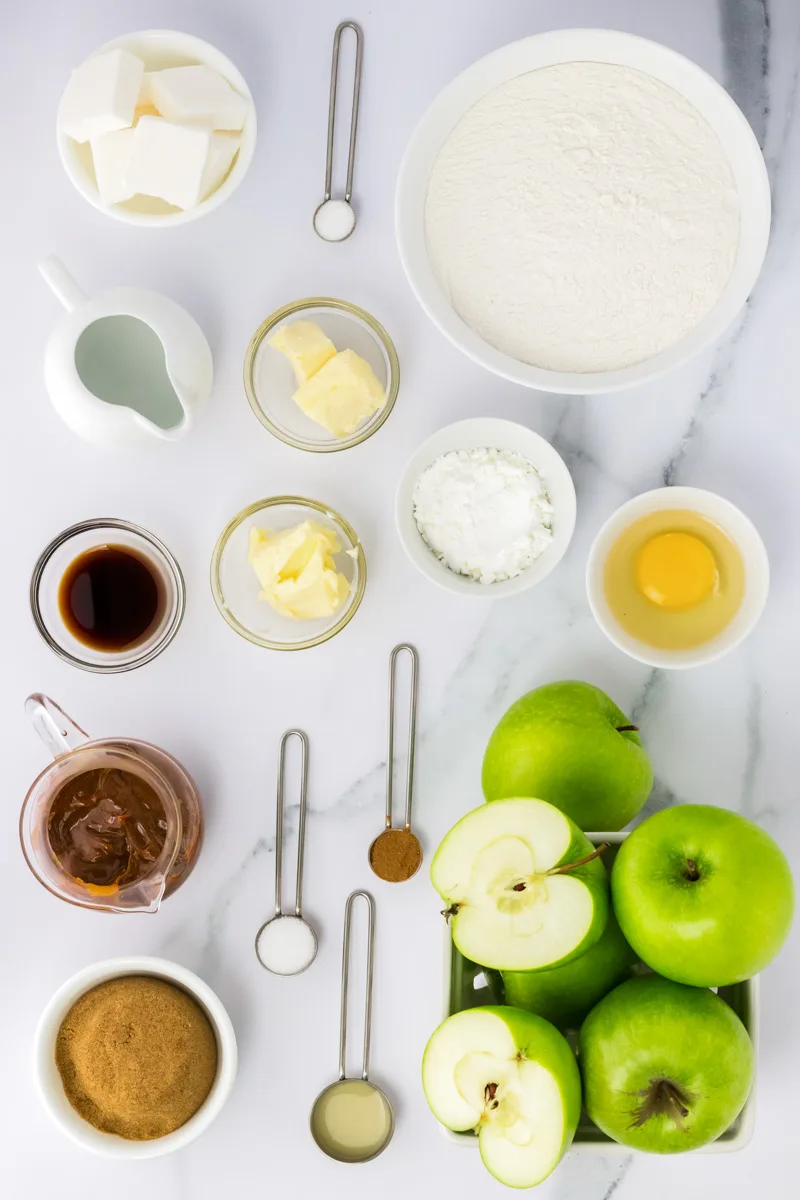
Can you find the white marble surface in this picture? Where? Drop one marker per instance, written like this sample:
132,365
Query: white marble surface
726,733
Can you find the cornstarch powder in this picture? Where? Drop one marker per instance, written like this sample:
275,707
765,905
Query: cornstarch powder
485,513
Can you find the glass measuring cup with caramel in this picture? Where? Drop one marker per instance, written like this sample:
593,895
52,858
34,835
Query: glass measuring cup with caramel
111,824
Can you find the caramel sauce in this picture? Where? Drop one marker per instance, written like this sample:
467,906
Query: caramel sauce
106,827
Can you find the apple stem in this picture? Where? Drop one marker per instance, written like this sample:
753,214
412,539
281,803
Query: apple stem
627,729
447,913
691,873
580,862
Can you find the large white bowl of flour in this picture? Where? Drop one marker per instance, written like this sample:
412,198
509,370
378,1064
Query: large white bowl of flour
582,211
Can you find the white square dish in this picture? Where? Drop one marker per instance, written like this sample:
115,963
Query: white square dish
464,985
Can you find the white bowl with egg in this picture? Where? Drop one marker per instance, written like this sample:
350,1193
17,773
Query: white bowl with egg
49,1083
492,434
159,49
585,47
739,529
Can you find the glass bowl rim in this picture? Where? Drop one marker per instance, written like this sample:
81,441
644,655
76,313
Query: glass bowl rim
169,561
363,431
282,501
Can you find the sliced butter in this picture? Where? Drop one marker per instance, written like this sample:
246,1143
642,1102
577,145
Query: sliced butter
342,394
306,347
297,572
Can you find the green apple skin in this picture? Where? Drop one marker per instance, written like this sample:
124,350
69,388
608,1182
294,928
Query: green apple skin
653,1033
565,995
537,1041
561,743
716,929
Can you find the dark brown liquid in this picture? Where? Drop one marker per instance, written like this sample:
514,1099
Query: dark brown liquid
110,598
106,827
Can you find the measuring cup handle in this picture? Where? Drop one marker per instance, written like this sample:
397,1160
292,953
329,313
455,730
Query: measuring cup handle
59,280
58,731
348,913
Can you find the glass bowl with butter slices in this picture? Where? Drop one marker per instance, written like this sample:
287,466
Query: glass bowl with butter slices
288,573
321,374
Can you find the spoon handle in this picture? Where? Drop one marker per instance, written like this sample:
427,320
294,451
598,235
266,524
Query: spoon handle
301,831
348,910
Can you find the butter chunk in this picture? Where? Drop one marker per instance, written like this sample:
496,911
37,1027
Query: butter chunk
342,394
168,161
144,101
198,94
221,153
297,572
306,347
101,95
111,154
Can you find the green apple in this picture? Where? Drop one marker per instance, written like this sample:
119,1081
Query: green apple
523,887
703,895
665,1067
568,743
564,995
512,1078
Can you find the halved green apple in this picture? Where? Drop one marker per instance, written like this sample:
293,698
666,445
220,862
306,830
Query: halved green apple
523,886
511,1077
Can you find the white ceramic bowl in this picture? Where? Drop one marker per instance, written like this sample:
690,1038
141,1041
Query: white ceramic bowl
49,1081
495,434
160,48
741,531
548,49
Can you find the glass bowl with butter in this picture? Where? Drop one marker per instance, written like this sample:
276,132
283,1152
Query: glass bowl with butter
288,573
321,374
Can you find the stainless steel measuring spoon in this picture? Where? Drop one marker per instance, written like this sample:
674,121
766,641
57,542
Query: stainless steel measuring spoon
335,220
399,847
286,944
351,1120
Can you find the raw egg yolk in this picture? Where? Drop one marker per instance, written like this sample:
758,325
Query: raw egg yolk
675,570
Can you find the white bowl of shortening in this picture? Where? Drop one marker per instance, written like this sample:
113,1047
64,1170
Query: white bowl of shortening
582,211
531,519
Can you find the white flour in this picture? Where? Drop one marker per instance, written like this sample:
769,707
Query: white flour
582,217
484,513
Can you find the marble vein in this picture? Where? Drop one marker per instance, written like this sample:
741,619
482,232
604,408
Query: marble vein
745,28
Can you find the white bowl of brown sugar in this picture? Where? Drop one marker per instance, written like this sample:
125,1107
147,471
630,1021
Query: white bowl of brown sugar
134,1057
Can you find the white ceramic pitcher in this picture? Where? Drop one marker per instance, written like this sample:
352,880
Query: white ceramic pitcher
126,366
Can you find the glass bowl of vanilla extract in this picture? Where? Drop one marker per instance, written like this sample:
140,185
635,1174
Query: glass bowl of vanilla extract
107,596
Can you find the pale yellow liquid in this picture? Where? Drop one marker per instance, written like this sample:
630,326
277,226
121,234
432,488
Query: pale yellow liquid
351,1121
661,627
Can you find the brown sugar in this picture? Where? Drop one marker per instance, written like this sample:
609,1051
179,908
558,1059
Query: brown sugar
137,1057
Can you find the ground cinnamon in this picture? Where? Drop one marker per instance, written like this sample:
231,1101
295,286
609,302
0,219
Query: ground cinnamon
395,855
137,1057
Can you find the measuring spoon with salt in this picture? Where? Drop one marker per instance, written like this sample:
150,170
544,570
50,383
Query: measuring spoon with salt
396,854
351,1120
335,220
286,944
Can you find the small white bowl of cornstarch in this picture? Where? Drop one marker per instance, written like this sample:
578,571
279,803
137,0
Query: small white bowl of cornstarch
485,508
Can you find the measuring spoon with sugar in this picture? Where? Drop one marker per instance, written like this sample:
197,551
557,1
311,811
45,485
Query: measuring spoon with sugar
286,944
335,220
